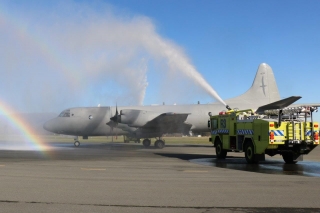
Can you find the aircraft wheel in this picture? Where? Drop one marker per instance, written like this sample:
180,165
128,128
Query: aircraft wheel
159,144
249,153
146,143
289,158
220,153
76,143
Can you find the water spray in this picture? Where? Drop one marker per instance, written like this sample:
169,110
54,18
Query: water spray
96,54
178,61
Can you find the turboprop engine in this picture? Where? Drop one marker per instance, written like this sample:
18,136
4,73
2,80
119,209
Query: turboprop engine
136,118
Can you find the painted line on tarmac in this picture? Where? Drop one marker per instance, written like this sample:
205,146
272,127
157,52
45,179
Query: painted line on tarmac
206,208
2,165
93,169
197,171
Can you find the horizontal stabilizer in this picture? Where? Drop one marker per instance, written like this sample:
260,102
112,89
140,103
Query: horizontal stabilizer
278,104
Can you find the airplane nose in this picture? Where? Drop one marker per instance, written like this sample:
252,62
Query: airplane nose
48,126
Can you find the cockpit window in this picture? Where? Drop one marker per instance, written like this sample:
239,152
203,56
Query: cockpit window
65,113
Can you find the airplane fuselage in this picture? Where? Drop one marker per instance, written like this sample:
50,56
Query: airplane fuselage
92,121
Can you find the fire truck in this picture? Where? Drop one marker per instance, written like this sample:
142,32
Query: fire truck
290,132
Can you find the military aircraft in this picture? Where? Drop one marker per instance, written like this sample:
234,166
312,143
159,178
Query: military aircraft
145,122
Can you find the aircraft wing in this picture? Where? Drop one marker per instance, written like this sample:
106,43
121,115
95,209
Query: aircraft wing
167,123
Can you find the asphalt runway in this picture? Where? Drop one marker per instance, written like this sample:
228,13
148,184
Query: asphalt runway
116,177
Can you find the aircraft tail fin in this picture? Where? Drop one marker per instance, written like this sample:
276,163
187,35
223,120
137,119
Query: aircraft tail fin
264,89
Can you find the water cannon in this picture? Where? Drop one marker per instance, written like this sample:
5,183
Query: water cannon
228,108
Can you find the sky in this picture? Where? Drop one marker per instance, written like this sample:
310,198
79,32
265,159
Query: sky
61,54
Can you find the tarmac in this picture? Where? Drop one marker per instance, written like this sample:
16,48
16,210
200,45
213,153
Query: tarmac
118,177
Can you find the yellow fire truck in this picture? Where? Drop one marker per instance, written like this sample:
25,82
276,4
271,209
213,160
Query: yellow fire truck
287,132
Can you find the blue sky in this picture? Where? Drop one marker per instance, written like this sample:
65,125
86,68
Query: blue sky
224,40
231,38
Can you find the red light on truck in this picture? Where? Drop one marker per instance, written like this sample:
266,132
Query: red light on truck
316,136
271,125
271,135
316,125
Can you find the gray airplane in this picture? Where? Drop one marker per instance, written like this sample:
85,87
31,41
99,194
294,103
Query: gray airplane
145,122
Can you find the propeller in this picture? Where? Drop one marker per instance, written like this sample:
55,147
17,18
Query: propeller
114,120
116,117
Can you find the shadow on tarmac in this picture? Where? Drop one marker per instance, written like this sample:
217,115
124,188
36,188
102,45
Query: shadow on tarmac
302,168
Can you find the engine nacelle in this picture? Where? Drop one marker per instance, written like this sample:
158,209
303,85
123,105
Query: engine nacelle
136,118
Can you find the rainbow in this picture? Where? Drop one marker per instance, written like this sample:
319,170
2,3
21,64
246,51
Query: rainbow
21,34
27,131
50,54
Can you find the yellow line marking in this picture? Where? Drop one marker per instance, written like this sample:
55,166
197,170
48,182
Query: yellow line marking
195,171
93,169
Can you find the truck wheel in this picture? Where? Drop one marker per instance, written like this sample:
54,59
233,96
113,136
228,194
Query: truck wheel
221,154
289,158
249,153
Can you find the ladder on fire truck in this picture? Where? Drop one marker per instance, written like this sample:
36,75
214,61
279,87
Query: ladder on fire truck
294,130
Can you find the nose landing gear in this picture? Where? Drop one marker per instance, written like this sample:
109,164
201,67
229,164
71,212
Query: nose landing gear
76,142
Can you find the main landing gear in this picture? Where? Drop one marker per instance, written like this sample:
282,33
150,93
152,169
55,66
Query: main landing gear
146,142
159,144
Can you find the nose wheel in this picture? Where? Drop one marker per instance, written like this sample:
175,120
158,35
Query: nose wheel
76,143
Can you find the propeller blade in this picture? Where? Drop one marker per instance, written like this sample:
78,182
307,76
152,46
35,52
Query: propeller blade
114,120
117,109
116,117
